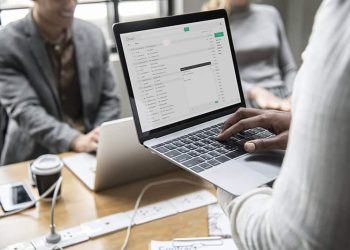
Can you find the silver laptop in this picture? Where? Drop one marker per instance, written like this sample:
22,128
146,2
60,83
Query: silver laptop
120,158
183,82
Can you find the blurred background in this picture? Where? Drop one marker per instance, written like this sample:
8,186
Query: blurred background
298,16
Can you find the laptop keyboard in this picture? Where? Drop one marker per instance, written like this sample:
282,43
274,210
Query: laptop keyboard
200,150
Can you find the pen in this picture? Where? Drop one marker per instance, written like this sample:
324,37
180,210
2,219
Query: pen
199,239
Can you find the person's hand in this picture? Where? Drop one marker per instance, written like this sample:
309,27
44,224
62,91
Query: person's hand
267,100
86,143
278,122
285,104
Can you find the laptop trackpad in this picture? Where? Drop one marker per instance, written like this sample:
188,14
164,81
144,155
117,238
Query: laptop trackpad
267,163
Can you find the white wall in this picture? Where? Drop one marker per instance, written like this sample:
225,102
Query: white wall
298,16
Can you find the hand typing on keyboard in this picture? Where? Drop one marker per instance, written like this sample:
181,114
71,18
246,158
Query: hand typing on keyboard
278,122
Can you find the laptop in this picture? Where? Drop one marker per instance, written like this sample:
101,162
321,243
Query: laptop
183,83
120,158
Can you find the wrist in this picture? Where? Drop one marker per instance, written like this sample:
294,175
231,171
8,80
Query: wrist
75,145
254,92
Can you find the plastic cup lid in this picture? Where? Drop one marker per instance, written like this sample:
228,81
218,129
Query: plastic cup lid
47,165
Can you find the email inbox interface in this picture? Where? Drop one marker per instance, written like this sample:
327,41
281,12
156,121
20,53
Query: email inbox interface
180,72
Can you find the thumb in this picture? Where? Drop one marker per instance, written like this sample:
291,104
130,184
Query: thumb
276,142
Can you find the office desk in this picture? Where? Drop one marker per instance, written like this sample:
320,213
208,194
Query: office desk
78,205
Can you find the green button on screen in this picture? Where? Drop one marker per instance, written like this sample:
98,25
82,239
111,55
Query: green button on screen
219,34
186,29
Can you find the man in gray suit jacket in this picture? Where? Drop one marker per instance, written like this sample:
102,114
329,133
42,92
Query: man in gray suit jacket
55,83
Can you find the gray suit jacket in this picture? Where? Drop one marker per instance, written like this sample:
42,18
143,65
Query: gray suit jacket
29,94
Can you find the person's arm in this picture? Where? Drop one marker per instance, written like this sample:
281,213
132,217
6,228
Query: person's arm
247,87
308,207
286,60
109,106
23,105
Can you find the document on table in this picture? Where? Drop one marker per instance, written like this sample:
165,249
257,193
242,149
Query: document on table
194,244
218,223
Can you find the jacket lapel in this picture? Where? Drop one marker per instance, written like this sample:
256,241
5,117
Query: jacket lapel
39,52
83,66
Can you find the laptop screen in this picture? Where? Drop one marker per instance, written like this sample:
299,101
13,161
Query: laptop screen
180,72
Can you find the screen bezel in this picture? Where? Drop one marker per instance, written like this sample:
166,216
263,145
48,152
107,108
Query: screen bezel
7,207
123,28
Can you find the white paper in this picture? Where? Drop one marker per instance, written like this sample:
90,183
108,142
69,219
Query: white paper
218,223
225,244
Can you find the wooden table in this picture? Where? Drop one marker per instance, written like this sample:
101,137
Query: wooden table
78,205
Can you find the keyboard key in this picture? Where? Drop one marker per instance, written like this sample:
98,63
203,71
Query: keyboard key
194,153
222,159
159,145
202,136
197,169
182,158
209,133
266,133
205,165
207,157
181,137
218,144
170,146
233,139
209,148
191,134
222,151
193,162
246,133
215,130
202,151
250,132
191,147
199,144
259,129
214,162
256,136
231,147
194,138
162,150
207,141
214,153
186,141
239,137
172,153
178,144
235,154
183,150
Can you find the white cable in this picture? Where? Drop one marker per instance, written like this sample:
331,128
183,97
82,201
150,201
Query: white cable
57,188
54,237
44,195
156,183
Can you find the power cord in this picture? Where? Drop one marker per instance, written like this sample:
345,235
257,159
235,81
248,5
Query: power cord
44,195
54,237
137,204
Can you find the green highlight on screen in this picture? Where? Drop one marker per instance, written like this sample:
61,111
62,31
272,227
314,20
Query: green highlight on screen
187,29
219,34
